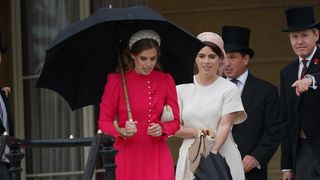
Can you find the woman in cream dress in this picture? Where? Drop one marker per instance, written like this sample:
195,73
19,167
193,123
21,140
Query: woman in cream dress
210,102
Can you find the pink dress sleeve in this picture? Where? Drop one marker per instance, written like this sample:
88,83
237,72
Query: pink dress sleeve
109,104
169,128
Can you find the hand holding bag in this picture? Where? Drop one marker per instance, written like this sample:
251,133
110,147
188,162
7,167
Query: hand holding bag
200,147
167,114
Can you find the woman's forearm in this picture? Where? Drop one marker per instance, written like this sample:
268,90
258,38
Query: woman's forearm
221,136
187,132
223,131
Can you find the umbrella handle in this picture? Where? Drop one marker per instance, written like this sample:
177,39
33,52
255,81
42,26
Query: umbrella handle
122,132
125,90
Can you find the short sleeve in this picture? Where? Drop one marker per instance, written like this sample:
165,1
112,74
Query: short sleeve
232,103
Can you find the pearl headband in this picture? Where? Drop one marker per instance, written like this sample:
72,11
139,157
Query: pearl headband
144,34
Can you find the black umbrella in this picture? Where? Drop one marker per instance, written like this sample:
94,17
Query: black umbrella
214,166
80,57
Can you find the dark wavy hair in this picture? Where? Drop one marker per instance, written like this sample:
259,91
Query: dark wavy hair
215,48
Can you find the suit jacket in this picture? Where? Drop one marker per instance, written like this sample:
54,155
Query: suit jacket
6,104
2,129
3,168
299,112
259,135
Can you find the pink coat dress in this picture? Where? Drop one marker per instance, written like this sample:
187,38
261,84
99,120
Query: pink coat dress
141,156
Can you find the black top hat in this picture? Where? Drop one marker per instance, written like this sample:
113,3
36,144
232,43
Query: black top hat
300,18
237,38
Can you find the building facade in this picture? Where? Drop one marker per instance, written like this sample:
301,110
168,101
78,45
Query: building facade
28,26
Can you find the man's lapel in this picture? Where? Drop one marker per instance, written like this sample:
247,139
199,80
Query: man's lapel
249,91
314,65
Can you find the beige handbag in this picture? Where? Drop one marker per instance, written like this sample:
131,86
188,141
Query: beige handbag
201,146
167,114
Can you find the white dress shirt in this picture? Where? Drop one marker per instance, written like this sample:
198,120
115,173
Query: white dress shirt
241,80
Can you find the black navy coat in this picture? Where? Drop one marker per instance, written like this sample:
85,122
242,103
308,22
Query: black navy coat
299,112
259,135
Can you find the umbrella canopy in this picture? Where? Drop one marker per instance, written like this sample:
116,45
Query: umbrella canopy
80,57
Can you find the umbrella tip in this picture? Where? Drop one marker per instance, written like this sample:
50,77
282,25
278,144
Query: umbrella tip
71,136
5,133
99,131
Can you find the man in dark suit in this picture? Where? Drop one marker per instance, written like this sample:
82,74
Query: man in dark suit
259,136
5,126
300,99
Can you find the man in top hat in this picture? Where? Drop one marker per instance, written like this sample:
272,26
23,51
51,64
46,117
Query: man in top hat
300,98
259,136
4,123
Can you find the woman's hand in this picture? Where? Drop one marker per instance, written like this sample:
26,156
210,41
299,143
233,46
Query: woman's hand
131,128
214,151
196,132
154,130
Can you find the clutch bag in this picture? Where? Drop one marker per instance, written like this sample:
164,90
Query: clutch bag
167,114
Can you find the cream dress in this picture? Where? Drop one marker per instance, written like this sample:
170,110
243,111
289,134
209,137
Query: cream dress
202,107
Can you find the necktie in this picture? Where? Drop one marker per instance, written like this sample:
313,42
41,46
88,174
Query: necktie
235,81
304,68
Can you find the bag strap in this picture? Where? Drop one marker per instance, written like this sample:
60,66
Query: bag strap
199,147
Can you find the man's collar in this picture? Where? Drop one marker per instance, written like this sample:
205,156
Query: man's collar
243,77
311,55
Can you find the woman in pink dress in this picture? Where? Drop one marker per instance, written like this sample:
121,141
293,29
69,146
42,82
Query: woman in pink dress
143,152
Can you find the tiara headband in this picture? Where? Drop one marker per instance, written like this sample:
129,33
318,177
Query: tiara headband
144,34
213,38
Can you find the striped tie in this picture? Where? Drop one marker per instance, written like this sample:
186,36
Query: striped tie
304,68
